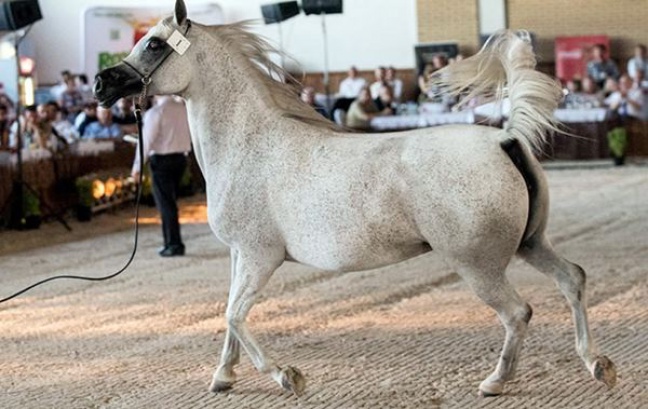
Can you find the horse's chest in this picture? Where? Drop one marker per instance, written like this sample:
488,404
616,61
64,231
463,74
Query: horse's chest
237,216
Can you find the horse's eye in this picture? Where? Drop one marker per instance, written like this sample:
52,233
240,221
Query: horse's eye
154,44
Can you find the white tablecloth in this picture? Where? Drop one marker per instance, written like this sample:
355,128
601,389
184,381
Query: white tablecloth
11,159
92,147
395,122
496,111
581,115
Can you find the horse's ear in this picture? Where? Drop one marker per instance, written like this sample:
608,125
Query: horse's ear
180,12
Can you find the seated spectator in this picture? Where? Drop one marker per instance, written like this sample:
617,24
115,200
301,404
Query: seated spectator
58,89
385,102
71,100
27,121
350,86
424,81
374,88
85,118
628,101
573,86
611,86
583,94
104,127
4,128
124,115
600,68
85,88
638,62
395,83
457,58
429,92
65,132
35,133
439,61
592,96
361,112
7,103
308,96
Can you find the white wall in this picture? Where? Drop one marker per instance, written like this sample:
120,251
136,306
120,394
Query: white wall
367,34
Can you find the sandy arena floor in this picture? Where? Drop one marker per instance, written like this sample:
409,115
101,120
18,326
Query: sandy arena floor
408,336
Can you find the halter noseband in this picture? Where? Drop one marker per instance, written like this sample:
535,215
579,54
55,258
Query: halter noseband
146,78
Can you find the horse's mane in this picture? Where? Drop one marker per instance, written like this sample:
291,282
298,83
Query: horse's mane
282,96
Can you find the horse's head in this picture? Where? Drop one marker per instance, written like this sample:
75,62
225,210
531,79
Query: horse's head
157,60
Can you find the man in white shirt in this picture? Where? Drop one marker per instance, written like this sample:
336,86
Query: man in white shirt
639,63
166,144
374,88
629,100
350,86
395,83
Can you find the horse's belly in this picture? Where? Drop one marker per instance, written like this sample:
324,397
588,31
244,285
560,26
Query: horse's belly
343,256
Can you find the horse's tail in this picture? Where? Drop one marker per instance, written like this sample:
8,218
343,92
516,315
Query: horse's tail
505,67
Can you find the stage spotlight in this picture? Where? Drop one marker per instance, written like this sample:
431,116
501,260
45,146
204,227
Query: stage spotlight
17,14
278,12
322,6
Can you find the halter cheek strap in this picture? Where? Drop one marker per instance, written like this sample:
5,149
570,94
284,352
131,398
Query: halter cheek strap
146,78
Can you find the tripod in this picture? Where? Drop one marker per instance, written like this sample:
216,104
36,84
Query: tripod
16,199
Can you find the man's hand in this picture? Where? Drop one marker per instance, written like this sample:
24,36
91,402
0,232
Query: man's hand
136,175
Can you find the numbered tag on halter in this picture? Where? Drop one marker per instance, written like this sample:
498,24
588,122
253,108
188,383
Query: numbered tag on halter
178,42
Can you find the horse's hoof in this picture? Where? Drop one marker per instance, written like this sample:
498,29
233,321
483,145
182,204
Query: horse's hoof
491,389
220,386
605,371
292,380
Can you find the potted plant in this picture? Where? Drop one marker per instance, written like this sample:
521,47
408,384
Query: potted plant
84,191
618,142
31,210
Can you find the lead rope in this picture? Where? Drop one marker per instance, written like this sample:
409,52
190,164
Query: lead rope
138,117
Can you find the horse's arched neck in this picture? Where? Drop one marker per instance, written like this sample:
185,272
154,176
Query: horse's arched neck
222,90
227,113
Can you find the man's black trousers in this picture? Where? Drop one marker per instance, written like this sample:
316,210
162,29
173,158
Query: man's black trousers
167,171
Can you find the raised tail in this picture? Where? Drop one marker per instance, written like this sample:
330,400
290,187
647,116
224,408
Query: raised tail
505,67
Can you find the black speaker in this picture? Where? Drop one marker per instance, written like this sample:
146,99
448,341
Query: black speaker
15,14
275,13
322,6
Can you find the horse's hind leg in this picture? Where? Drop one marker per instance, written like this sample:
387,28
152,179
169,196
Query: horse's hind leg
571,280
251,274
491,285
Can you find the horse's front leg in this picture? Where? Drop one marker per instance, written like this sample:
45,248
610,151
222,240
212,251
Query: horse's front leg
252,270
224,377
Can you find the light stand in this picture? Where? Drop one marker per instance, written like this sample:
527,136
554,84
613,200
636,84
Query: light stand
281,50
276,13
19,184
327,82
324,7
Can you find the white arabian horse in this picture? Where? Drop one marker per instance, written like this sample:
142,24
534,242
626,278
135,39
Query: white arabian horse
285,184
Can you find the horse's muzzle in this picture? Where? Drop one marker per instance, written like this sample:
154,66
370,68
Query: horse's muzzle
114,83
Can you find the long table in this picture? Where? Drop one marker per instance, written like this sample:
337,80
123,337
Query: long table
54,176
401,122
584,136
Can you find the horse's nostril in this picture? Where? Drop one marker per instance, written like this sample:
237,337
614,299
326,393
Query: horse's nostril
98,84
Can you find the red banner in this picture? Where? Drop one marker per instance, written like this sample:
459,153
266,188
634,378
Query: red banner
573,53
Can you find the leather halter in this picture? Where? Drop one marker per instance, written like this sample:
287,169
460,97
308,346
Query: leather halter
146,78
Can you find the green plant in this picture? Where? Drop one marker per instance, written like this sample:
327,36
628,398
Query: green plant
31,204
84,190
618,141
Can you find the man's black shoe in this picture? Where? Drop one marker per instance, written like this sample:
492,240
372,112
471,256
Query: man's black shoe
172,250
